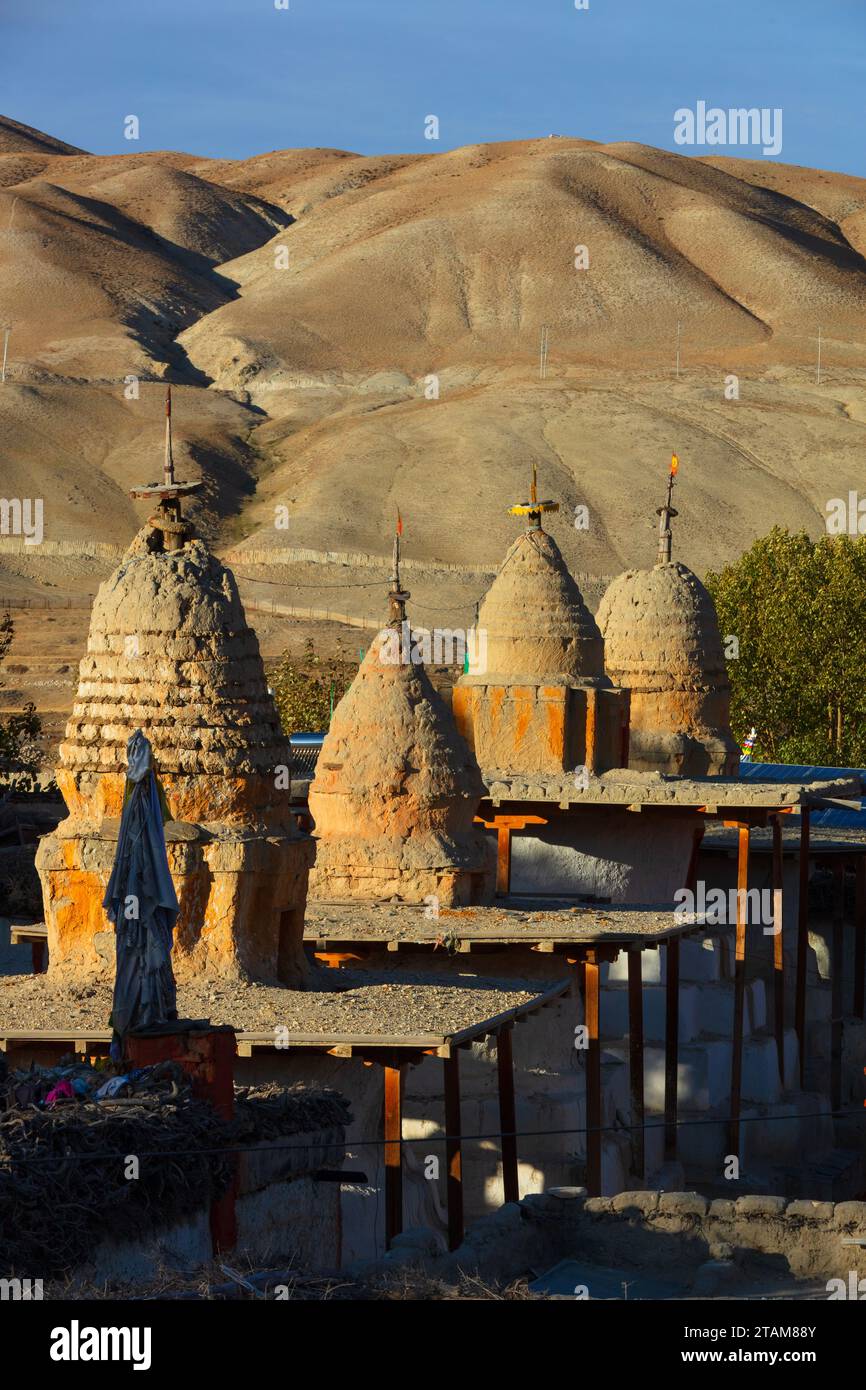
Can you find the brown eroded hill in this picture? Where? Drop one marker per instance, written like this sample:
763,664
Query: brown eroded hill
356,333
16,138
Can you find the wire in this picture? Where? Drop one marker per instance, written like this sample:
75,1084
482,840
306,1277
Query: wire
446,1138
366,584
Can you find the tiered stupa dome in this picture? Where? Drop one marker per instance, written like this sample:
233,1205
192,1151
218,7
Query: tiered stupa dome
396,788
537,624
661,638
170,653
536,699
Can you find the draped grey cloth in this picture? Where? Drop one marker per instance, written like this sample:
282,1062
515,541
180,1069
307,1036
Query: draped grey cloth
141,902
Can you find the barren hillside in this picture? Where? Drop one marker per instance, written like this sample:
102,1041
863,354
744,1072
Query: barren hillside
352,334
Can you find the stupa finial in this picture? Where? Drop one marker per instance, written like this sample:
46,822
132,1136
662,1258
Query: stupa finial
533,508
168,521
168,467
665,514
397,595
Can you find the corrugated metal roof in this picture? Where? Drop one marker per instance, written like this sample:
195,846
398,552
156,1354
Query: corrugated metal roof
827,817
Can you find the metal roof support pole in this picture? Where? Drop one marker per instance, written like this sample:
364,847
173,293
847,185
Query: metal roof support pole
672,1043
743,840
507,1114
802,941
591,1008
778,949
860,936
453,1155
837,983
636,1060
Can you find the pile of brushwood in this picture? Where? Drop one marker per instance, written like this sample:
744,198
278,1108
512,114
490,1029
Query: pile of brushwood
75,1170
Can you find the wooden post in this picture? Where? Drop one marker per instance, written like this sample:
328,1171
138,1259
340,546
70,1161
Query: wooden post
636,1059
591,729
503,860
859,935
507,1114
453,1156
393,1152
591,1005
802,941
739,985
672,1043
778,949
837,983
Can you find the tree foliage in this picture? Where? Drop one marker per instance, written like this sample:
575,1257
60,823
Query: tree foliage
20,734
303,690
798,610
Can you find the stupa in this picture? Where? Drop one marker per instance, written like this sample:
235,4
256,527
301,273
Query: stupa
544,704
662,640
396,789
169,651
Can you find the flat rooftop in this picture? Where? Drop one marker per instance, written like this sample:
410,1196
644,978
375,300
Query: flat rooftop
623,787
526,922
344,1011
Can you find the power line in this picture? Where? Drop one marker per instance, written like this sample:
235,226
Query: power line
437,1139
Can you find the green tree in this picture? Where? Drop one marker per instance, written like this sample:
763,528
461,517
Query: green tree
798,610
20,734
303,690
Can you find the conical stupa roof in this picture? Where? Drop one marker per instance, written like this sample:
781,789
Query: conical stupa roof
661,631
393,759
169,651
537,624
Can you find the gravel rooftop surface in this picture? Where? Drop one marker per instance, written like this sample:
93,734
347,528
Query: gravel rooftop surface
340,1002
559,919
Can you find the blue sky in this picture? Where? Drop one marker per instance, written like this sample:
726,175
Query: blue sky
237,77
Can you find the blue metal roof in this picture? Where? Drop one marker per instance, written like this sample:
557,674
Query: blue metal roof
828,817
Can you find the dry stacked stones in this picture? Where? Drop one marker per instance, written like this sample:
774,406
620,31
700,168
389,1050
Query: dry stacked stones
395,793
661,638
170,652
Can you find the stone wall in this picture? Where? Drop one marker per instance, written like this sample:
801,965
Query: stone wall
713,1248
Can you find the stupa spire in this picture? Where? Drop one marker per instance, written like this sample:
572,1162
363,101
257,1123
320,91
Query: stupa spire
665,514
397,595
168,521
168,467
534,508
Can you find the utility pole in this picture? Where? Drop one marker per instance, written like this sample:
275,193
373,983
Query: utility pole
679,326
818,369
12,212
5,353
542,359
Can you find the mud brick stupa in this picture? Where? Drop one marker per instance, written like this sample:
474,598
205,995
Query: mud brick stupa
396,788
662,640
545,704
170,652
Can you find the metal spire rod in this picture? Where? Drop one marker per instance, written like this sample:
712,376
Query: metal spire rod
665,514
168,468
167,519
534,509
397,595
